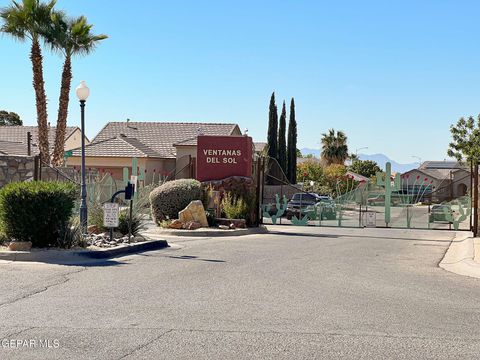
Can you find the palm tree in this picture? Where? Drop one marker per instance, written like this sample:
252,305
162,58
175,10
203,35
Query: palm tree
334,147
26,20
68,36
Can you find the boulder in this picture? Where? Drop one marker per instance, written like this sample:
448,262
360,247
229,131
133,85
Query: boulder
193,225
194,212
176,224
20,246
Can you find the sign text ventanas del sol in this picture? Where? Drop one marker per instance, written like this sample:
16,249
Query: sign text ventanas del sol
219,157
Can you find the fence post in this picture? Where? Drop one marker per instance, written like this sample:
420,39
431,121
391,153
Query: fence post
475,199
35,167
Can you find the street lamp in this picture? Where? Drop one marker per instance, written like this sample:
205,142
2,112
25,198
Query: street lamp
419,159
362,148
83,91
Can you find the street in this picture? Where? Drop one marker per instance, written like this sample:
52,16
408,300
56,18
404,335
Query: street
296,293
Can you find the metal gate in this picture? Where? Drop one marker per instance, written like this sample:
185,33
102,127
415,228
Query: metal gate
387,200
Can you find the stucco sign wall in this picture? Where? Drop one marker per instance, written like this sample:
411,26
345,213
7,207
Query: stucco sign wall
219,157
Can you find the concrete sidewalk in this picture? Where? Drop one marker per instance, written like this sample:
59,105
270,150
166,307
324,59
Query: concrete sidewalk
463,256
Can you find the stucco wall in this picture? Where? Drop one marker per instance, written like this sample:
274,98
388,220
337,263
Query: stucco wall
75,140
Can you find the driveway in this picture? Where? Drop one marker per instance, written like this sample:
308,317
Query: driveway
297,293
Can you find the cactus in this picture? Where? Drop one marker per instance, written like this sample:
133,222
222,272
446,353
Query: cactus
387,184
300,222
456,220
280,209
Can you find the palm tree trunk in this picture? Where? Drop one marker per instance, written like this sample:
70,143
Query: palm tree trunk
41,100
62,112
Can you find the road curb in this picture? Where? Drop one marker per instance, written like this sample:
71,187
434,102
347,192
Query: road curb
209,233
460,257
54,255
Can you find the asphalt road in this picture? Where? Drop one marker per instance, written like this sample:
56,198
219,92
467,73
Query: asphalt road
311,293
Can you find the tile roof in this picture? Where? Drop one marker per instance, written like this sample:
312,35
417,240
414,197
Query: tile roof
120,146
438,174
16,148
260,146
161,136
19,134
440,165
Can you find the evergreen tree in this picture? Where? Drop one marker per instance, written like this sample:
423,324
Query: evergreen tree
292,146
272,128
282,142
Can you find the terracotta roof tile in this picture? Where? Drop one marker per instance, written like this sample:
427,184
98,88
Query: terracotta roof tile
161,136
117,147
19,134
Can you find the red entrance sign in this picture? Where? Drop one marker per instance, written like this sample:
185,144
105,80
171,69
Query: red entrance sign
219,157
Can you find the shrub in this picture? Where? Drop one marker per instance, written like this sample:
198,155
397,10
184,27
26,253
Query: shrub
212,221
124,220
173,196
234,207
36,211
71,235
95,216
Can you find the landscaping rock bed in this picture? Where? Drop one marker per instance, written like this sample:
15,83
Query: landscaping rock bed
103,240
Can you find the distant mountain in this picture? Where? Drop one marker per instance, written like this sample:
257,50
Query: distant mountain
380,159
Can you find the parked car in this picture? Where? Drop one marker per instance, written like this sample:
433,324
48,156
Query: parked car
304,203
439,213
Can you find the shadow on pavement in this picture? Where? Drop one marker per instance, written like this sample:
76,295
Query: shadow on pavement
354,236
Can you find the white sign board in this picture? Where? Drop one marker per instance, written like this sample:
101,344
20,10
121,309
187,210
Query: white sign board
371,219
110,215
134,180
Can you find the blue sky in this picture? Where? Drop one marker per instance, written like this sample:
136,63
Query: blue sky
392,75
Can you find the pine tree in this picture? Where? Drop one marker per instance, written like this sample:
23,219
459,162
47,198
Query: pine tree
272,128
292,146
282,143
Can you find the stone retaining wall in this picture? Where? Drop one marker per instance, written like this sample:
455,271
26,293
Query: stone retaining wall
16,168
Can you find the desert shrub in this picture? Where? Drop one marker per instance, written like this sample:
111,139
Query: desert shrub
71,235
173,196
124,220
36,211
165,223
234,207
95,215
212,221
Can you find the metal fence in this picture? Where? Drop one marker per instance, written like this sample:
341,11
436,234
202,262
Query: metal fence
399,202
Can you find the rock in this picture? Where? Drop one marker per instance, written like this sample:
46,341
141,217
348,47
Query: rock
176,224
93,229
138,238
193,225
223,227
232,226
238,223
194,212
117,235
20,246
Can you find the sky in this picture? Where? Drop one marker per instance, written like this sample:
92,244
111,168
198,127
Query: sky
392,75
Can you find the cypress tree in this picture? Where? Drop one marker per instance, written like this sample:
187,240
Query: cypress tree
292,146
272,128
282,143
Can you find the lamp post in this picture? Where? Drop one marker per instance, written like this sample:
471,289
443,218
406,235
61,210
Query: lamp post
83,91
362,148
419,159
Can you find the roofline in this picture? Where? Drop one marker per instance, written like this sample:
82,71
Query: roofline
76,128
424,173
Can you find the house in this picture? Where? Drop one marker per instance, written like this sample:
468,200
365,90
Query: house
161,148
437,181
13,139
